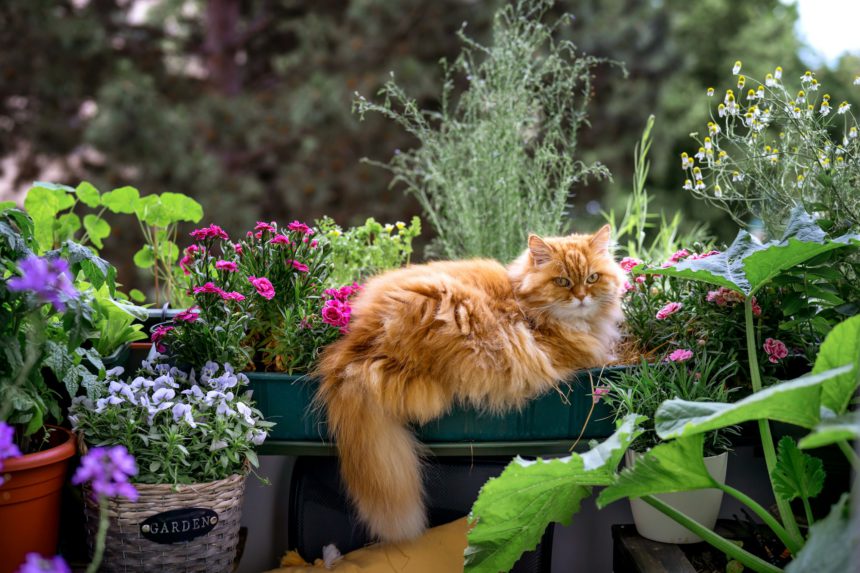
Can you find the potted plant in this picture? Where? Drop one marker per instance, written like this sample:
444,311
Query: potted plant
640,390
193,434
44,321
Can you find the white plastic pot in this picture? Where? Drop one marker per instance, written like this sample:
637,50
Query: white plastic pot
702,505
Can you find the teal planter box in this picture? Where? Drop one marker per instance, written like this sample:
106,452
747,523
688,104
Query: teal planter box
288,401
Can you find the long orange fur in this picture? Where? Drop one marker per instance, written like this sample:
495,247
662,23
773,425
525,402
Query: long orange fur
475,332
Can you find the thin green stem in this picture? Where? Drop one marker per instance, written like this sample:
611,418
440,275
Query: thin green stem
764,515
99,550
808,510
850,454
764,428
718,541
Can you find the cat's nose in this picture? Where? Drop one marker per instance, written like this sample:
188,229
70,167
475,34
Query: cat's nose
579,293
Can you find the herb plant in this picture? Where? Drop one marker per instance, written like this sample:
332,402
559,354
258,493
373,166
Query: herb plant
499,161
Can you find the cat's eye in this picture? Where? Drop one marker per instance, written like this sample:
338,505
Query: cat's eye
561,281
592,278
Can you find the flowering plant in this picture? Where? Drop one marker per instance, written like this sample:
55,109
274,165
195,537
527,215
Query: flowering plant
181,427
360,252
44,322
771,148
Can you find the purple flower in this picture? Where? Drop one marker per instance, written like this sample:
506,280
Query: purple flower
109,470
48,279
8,448
35,563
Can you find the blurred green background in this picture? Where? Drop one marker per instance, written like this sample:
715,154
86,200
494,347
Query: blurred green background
246,104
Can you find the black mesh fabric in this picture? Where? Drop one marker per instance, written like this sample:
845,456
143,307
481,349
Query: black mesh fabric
320,513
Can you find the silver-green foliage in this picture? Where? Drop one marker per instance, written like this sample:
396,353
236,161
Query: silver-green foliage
500,161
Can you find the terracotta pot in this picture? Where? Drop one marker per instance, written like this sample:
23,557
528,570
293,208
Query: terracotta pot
702,505
30,500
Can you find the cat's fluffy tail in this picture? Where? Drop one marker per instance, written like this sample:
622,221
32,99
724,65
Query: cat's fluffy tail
379,459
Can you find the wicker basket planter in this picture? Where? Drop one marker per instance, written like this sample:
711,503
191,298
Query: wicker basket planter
129,550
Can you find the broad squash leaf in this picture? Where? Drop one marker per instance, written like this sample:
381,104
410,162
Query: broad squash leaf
831,545
832,430
513,510
840,347
795,402
796,474
747,265
674,466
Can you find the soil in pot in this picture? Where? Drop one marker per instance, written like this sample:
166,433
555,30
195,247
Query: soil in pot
30,500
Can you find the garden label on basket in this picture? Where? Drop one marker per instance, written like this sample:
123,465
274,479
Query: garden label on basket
179,525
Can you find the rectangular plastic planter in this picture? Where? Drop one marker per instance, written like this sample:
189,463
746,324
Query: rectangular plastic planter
288,401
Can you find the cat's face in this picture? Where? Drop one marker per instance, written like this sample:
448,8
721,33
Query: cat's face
574,277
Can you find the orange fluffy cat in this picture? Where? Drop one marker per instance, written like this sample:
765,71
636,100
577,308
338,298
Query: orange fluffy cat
474,332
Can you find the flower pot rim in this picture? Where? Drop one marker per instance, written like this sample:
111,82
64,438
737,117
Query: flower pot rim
62,451
637,453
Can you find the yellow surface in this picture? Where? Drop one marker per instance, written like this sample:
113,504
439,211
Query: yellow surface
440,550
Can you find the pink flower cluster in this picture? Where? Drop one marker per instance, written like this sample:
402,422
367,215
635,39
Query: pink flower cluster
264,287
727,297
680,355
775,350
210,232
188,258
669,310
300,227
337,311
696,257
679,256
189,315
158,334
211,288
628,263
228,266
599,393
299,266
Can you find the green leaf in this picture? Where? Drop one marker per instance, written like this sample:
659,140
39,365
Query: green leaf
795,402
180,207
6,205
136,295
831,543
144,258
88,194
43,202
747,265
840,347
832,430
796,474
678,465
122,200
97,229
67,225
513,510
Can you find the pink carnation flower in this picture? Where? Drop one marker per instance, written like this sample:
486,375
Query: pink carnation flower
301,267
599,393
756,309
190,315
280,240
228,266
640,279
775,350
233,295
210,232
158,335
336,313
314,244
627,287
237,248
678,256
208,288
696,257
264,287
724,296
300,227
263,226
627,263
680,355
668,310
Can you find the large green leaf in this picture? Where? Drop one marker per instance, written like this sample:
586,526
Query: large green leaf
181,207
122,200
97,229
832,430
513,510
841,347
88,194
795,402
674,466
796,474
43,202
831,545
144,258
747,265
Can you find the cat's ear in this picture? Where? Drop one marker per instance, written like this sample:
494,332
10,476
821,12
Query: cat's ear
602,239
541,252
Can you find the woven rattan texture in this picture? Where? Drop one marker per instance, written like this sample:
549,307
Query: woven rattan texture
128,551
